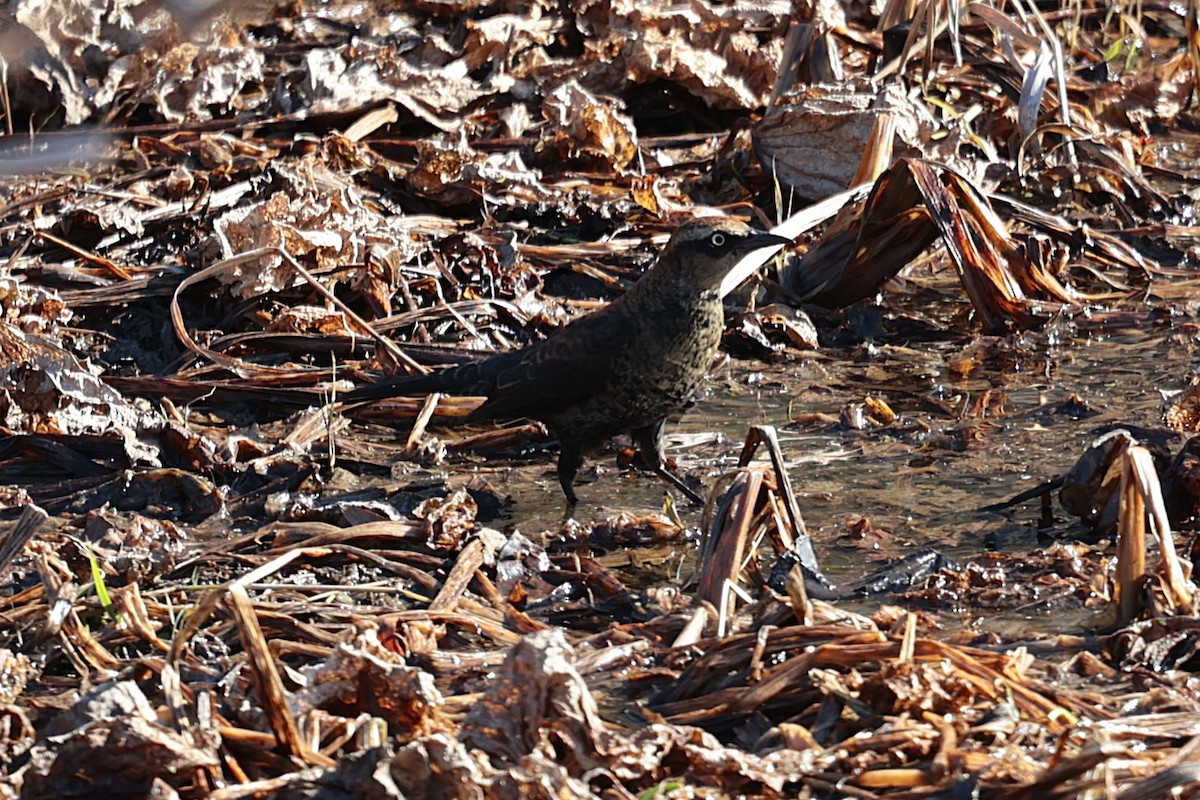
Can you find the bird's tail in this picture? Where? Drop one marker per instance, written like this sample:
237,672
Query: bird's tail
473,378
406,385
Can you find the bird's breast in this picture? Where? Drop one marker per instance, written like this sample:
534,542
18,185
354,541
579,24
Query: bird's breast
669,359
665,346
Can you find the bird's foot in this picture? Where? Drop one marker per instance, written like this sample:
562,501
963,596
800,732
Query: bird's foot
678,483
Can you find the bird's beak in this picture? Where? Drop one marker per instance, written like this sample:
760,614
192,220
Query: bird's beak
765,239
753,246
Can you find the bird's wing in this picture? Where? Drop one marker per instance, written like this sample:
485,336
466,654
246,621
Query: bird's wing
568,368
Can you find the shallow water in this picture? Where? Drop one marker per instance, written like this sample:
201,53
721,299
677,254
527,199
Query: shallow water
1026,408
989,436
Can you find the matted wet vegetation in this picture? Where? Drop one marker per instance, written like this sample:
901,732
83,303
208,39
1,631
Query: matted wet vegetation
946,455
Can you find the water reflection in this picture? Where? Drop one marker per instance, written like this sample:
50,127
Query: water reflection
979,421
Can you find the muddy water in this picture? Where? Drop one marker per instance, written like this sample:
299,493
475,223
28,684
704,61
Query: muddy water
980,420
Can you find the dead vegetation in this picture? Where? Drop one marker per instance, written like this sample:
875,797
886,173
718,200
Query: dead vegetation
218,581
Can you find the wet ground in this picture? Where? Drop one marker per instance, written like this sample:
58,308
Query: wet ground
979,420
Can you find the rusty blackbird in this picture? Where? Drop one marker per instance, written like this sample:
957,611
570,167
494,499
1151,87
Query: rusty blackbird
621,369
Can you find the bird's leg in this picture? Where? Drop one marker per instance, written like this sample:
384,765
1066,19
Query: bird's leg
570,459
649,441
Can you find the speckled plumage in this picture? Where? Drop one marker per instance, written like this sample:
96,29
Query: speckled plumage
621,369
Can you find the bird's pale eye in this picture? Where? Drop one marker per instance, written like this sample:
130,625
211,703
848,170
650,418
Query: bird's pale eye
717,239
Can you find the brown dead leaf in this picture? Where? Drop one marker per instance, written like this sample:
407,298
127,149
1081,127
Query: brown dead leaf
46,43
813,141
305,319
113,729
590,129
448,519
772,328
431,82
709,49
365,677
1145,97
48,390
912,204
502,38
1182,412
912,688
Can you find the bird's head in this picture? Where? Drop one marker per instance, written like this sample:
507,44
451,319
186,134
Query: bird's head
704,250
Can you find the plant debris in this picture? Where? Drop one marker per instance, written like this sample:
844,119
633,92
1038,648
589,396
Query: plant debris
952,557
